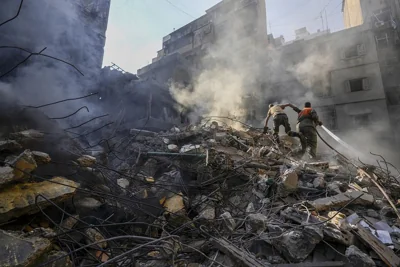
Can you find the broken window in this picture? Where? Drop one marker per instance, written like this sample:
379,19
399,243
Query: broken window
362,120
354,51
357,85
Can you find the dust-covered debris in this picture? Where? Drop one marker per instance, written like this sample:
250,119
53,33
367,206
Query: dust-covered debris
176,195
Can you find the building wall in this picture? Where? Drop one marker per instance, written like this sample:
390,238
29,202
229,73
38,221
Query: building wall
352,13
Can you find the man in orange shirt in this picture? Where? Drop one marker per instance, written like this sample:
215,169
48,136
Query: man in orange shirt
307,120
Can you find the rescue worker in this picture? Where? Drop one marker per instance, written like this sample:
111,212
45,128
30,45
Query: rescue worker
307,120
279,118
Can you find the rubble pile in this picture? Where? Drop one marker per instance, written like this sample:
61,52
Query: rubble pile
202,195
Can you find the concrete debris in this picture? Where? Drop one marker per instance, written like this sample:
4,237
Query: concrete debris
200,195
23,164
229,222
296,245
123,183
86,205
95,238
20,251
41,157
27,135
342,199
20,199
359,258
290,180
256,223
9,145
173,148
86,161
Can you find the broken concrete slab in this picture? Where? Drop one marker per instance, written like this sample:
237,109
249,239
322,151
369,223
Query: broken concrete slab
359,258
17,200
340,200
19,251
290,180
296,245
27,135
256,223
41,157
22,164
9,145
6,175
86,161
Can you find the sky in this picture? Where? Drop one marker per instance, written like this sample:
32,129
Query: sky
136,27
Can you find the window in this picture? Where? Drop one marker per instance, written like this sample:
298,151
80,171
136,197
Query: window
357,85
354,51
362,120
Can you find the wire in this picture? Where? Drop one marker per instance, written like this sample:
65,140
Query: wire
178,8
16,15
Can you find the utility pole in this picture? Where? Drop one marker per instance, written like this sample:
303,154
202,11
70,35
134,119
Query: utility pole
322,21
270,27
326,19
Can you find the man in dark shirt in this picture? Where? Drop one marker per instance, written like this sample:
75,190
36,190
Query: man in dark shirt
307,120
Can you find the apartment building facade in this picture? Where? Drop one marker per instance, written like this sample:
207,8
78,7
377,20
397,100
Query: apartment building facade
239,23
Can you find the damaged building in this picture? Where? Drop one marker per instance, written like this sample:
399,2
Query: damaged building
184,51
348,75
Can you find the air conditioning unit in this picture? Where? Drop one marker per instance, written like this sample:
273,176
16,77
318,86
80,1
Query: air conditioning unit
379,23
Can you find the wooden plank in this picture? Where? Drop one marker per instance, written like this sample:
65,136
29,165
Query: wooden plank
312,264
240,257
385,253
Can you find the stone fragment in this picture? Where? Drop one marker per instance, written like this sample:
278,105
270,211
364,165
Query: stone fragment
207,214
94,236
173,148
256,223
142,132
86,161
174,204
336,217
340,200
87,204
296,245
230,223
6,175
319,182
18,200
27,134
9,145
359,258
191,149
250,208
23,164
21,251
290,180
70,222
41,157
123,183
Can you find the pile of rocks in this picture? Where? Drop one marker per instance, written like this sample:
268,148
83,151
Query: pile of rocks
198,196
